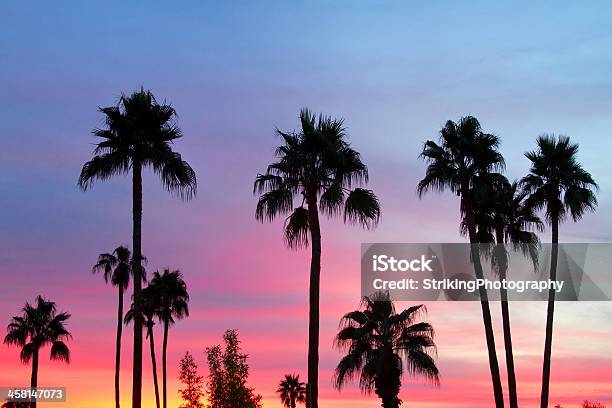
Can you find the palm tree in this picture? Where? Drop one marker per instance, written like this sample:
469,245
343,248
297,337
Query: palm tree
173,304
558,184
139,133
464,154
291,391
150,307
117,268
503,216
378,342
319,168
40,325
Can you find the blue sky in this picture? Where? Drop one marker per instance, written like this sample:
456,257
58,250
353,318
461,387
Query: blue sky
396,71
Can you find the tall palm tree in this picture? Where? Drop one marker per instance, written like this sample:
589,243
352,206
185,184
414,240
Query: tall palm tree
139,133
318,167
503,216
149,307
116,267
557,183
40,325
291,391
464,154
173,304
378,342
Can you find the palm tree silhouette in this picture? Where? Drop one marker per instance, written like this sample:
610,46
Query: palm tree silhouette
173,304
291,391
503,216
558,184
150,307
139,133
378,342
465,154
319,167
117,268
40,325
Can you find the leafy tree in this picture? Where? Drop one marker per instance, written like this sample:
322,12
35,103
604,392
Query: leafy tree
291,391
378,342
559,184
117,268
463,155
229,372
139,133
319,169
39,325
193,382
173,304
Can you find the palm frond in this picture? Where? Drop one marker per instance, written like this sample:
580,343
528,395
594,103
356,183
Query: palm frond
332,199
103,167
17,332
267,182
176,174
27,352
273,203
420,363
297,228
362,206
60,352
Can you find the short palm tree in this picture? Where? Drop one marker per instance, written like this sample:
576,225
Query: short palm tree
464,154
291,391
173,305
117,268
150,308
139,133
559,184
39,325
503,216
320,170
379,342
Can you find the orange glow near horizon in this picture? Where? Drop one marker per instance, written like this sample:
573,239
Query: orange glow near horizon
579,372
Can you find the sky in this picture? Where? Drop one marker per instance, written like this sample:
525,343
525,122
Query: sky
235,71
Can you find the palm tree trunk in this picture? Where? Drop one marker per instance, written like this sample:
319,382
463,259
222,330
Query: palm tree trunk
550,312
118,346
165,347
34,379
484,299
389,401
315,281
136,260
388,382
153,361
507,332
